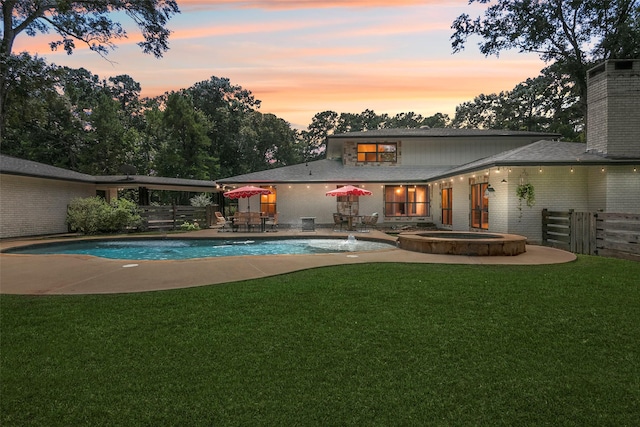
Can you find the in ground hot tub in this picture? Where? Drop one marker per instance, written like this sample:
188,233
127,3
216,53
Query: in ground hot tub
463,243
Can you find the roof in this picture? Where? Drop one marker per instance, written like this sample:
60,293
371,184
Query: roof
330,170
541,153
439,132
14,166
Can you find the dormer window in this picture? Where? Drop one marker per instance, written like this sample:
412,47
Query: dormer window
377,152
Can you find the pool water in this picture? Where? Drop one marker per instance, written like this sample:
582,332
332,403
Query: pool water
170,249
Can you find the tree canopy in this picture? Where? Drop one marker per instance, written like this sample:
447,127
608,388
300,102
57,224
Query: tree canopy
88,22
573,34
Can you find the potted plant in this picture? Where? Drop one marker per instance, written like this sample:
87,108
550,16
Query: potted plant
526,193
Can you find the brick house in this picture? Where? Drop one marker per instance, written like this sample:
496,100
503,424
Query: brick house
465,179
34,196
457,179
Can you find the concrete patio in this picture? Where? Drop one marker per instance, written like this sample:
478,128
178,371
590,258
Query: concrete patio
81,274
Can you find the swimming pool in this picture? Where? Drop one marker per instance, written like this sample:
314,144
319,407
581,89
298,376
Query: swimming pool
174,249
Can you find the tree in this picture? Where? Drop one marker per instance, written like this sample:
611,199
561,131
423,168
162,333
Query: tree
412,120
314,139
107,147
88,22
547,103
573,34
41,124
184,153
225,105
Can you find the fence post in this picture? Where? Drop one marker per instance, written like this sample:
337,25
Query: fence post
593,234
572,234
175,214
545,229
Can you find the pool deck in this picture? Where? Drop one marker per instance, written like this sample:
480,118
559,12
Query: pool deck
82,274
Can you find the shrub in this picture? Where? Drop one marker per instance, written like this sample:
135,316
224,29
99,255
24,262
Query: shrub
187,226
200,201
93,215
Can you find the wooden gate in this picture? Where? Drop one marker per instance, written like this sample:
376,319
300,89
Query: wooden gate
593,233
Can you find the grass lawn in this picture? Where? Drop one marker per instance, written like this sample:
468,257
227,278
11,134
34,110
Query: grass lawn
362,345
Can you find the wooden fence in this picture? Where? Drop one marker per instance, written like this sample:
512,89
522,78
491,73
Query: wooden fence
172,217
593,233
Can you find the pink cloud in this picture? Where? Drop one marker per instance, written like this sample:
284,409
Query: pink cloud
303,4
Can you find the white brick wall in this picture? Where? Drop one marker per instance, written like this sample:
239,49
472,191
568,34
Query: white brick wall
623,189
34,206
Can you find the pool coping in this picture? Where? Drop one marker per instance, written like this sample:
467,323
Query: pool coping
83,274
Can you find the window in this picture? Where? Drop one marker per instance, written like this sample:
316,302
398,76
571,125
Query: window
479,206
406,200
447,204
377,152
268,202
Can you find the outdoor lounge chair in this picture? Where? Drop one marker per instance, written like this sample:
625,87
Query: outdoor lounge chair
339,220
221,222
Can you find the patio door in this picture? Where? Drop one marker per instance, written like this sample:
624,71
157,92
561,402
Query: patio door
479,206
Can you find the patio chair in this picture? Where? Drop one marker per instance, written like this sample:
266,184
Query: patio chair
240,219
254,221
273,222
221,222
368,221
339,220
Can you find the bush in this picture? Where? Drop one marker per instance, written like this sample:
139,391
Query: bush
200,201
94,215
187,226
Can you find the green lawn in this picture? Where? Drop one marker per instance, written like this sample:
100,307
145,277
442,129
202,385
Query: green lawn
362,345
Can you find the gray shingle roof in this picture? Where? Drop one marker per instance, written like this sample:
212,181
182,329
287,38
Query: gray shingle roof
329,170
15,166
541,153
439,132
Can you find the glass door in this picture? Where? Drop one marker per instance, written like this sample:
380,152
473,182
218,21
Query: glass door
479,206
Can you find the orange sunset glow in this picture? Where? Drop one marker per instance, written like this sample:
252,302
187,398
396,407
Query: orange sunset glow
304,57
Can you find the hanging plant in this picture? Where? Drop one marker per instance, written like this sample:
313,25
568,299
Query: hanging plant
527,193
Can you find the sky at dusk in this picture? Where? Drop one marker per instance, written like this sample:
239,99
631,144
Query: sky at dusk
302,57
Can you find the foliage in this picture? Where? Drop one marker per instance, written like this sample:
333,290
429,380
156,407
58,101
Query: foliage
94,215
329,122
189,226
184,153
572,34
437,345
200,200
547,103
526,192
89,22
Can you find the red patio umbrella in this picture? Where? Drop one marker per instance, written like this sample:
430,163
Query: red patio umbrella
348,190
246,192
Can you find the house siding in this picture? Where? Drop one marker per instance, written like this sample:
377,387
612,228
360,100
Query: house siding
622,190
42,204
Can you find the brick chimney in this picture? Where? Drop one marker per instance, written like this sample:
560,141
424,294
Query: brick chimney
613,109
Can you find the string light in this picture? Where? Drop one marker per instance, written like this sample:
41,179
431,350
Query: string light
571,169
